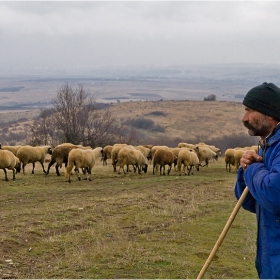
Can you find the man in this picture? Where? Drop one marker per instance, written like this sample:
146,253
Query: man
260,172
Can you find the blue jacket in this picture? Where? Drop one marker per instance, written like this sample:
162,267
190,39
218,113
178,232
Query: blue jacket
263,181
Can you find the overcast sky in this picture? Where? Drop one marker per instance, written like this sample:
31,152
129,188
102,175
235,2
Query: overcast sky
81,35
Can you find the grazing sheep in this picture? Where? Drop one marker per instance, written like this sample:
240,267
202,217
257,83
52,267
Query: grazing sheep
131,156
114,154
13,149
237,156
155,148
147,153
163,157
212,147
82,158
175,151
229,159
60,155
107,153
29,154
205,154
186,145
10,161
188,159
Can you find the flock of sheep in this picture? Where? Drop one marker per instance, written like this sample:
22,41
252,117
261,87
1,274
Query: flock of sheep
183,158
233,156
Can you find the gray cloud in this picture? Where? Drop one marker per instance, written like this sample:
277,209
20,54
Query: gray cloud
71,35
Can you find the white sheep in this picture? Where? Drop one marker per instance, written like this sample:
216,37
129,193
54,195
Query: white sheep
229,159
131,156
205,154
147,153
29,154
114,154
82,158
186,145
10,161
13,149
189,159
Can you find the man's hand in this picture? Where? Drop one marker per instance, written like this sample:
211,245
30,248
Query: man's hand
248,158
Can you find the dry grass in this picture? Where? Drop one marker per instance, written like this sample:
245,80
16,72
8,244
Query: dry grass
187,119
123,226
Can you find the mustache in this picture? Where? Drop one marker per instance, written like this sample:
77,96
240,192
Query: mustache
248,125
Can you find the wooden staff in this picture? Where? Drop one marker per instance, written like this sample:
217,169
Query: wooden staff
224,232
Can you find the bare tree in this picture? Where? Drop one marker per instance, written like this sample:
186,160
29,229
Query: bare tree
75,118
72,109
41,131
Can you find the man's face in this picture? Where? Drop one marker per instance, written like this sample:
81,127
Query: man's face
257,123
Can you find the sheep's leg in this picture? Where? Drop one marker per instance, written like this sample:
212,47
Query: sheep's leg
14,174
154,169
120,168
6,177
162,170
184,170
42,167
57,170
114,163
89,174
135,167
104,159
170,166
23,168
49,166
33,167
206,162
77,173
189,170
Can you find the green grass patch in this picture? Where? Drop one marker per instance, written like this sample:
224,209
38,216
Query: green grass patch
123,226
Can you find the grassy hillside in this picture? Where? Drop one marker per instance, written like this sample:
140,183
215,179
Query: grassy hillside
186,119
123,226
189,121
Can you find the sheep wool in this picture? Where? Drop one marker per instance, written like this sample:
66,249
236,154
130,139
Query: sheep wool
9,161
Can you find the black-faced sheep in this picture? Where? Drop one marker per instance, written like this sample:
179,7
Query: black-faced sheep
188,159
163,157
82,158
131,156
205,154
60,155
107,153
10,161
29,154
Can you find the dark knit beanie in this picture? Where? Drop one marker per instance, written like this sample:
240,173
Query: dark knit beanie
265,99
